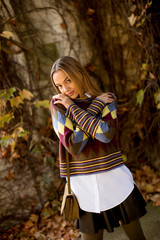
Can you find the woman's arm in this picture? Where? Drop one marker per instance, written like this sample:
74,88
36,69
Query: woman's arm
75,138
97,104
72,137
102,129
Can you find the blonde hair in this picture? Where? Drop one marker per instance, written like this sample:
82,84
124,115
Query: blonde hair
77,74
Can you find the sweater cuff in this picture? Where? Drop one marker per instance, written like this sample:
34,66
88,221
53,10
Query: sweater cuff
69,112
96,106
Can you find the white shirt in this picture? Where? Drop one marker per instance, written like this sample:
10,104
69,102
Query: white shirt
102,191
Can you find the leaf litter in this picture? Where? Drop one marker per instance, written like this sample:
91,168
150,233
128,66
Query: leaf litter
50,225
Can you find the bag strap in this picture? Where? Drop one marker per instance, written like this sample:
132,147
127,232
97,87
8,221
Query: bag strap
68,173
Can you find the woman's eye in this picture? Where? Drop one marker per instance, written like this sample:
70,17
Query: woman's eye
68,80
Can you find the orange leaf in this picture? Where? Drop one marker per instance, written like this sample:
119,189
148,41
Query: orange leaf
90,67
63,25
34,218
139,126
123,109
25,94
28,225
15,155
13,21
15,101
4,153
134,87
10,175
90,11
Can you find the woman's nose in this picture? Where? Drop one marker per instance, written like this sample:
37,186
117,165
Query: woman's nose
65,89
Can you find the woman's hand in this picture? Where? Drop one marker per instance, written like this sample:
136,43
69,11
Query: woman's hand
107,97
62,99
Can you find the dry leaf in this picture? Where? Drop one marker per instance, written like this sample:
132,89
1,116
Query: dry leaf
133,87
139,126
15,155
63,25
158,105
25,94
90,11
10,175
151,75
15,101
123,109
149,188
34,218
132,19
7,34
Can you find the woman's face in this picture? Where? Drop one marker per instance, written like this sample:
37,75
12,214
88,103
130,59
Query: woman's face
65,84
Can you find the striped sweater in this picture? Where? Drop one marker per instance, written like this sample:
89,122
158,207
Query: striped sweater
87,131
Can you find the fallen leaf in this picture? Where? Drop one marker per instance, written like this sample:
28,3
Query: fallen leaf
58,218
34,218
10,175
149,188
15,155
132,19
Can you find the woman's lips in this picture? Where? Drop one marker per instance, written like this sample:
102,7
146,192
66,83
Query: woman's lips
71,93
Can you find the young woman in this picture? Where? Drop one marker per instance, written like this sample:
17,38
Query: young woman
85,120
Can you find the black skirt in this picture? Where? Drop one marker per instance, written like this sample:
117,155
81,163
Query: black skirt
132,208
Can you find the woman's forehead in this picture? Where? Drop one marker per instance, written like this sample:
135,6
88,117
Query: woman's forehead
59,76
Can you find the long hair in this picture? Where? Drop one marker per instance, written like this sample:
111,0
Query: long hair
77,74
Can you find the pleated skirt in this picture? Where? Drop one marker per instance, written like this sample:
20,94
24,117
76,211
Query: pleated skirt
132,208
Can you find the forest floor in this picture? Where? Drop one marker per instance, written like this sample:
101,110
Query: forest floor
49,224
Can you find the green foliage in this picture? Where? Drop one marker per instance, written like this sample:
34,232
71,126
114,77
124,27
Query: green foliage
38,149
44,103
6,118
12,100
157,96
5,141
7,93
140,96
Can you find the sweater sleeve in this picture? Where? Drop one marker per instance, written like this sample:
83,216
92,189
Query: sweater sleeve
71,135
94,108
102,129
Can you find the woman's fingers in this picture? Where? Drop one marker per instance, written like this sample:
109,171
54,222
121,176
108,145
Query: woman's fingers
62,99
107,97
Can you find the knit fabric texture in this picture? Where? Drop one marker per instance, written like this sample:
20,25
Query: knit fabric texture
87,131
